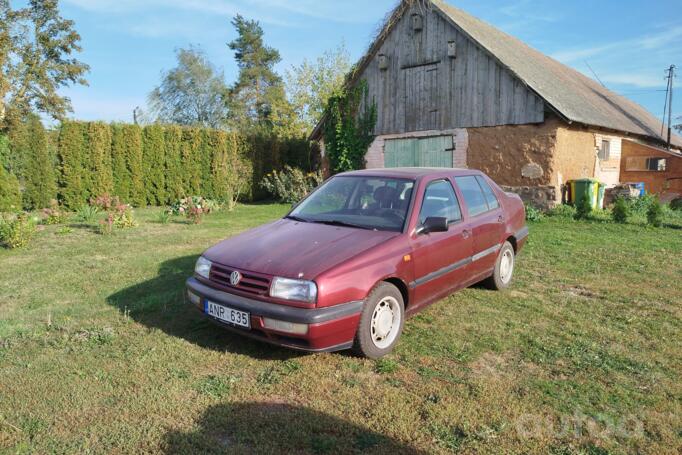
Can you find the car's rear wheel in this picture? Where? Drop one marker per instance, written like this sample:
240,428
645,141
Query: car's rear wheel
504,268
381,323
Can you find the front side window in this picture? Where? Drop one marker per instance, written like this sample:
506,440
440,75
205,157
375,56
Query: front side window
440,201
473,195
357,201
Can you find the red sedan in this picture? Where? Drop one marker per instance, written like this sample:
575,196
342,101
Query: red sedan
363,252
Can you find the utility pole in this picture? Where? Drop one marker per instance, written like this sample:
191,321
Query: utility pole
669,101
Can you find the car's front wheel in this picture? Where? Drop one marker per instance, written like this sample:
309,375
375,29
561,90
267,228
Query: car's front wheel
381,323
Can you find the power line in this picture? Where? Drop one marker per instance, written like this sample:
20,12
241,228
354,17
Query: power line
595,74
671,77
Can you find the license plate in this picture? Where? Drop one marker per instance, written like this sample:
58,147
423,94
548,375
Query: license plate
228,315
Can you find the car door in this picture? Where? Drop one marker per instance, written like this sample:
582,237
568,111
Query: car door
485,219
440,259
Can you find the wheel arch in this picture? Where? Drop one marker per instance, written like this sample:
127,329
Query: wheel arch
402,287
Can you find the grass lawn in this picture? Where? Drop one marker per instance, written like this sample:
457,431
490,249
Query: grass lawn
99,353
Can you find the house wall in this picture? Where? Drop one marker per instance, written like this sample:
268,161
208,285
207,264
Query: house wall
608,171
424,89
515,156
655,182
575,155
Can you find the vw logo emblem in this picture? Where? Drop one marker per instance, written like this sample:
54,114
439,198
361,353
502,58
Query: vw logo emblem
235,278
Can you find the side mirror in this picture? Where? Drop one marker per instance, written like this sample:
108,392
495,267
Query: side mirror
433,224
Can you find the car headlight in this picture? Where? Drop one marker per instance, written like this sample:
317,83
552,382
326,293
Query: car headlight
203,267
299,290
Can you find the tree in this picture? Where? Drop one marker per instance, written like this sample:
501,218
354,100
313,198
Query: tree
258,98
311,84
40,185
70,154
174,168
193,93
99,154
154,160
36,47
134,154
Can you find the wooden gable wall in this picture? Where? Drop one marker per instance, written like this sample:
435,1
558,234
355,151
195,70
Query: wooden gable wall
425,89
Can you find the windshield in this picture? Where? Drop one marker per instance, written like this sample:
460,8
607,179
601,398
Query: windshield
361,202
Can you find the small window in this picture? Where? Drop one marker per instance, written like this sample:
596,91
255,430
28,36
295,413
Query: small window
473,195
605,151
489,194
642,163
440,201
657,164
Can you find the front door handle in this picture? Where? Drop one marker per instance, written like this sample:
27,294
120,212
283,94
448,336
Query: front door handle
466,234
500,219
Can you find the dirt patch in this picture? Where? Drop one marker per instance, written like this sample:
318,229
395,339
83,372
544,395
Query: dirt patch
581,291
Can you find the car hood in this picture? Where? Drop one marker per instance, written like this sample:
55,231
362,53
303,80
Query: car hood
294,249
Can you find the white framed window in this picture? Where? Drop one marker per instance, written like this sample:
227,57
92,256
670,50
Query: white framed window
605,150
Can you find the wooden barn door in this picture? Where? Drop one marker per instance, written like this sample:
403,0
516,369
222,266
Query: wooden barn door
419,152
422,98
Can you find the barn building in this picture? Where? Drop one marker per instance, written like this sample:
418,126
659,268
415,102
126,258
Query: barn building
453,91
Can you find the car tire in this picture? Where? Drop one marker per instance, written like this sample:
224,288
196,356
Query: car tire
503,273
381,322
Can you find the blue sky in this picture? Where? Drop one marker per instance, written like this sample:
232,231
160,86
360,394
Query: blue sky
127,43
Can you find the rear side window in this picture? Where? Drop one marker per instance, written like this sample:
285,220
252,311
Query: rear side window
473,195
440,201
488,193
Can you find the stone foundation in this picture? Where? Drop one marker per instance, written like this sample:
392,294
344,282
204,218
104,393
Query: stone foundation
540,197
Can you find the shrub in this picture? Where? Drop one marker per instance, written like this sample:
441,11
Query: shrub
87,213
124,217
194,208
10,195
676,204
562,211
16,231
106,226
119,214
532,214
641,205
181,207
291,185
53,214
654,214
164,216
621,210
583,209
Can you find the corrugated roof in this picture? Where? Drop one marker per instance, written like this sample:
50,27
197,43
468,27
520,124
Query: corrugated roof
573,95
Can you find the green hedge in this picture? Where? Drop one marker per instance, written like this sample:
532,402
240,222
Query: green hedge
152,165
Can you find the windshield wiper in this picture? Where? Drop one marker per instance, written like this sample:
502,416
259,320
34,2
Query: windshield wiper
342,224
296,218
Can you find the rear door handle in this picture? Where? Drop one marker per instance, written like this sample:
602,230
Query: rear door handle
500,219
466,233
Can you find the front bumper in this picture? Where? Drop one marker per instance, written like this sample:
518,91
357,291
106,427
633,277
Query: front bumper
329,329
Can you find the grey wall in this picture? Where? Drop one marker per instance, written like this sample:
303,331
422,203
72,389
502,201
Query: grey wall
424,89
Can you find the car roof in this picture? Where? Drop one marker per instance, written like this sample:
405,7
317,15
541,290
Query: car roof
411,172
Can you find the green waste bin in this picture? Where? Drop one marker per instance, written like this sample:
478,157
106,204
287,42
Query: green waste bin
581,187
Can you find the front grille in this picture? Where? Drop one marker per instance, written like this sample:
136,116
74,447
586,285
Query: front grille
250,282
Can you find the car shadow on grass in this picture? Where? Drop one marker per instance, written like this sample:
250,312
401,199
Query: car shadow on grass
274,428
159,303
